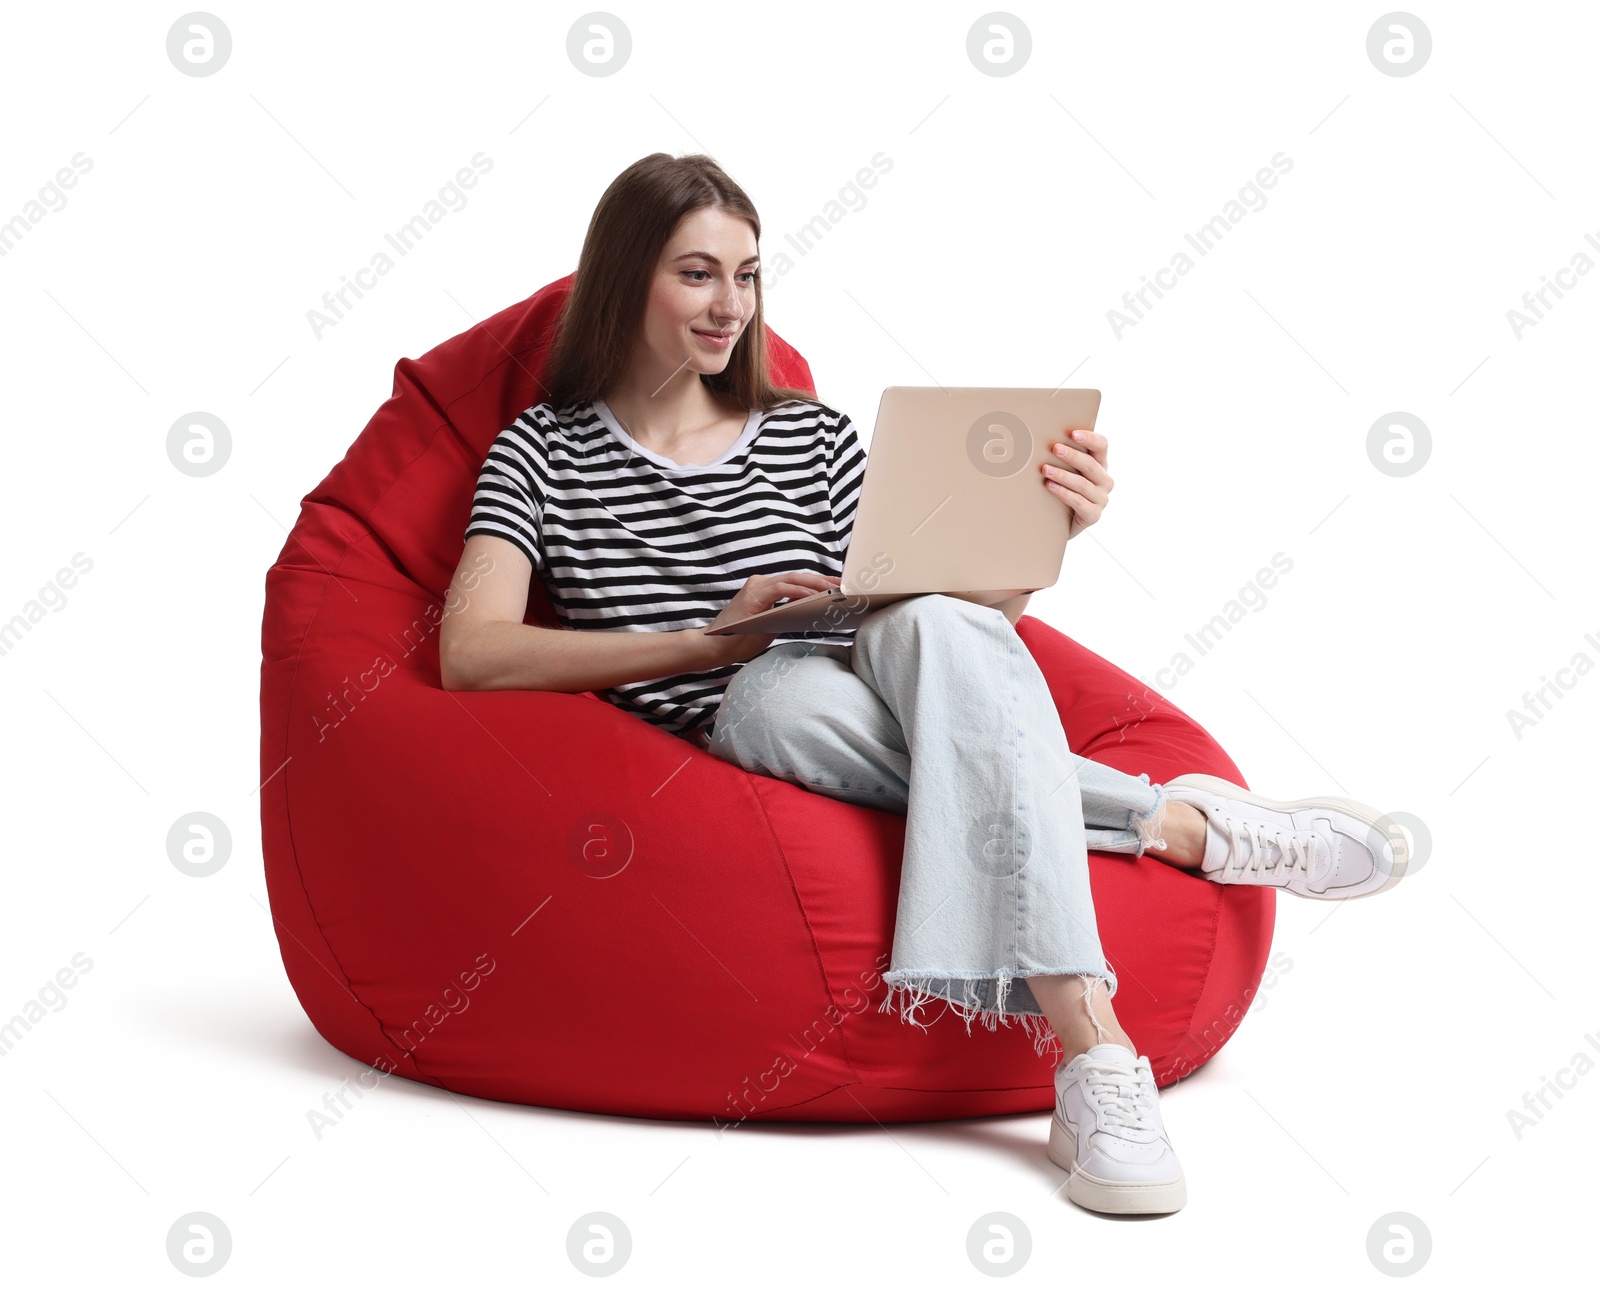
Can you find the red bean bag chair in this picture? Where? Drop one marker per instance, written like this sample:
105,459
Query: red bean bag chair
537,897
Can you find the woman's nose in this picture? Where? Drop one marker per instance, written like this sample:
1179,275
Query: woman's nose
728,304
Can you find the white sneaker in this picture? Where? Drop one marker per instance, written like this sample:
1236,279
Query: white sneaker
1107,1133
1324,848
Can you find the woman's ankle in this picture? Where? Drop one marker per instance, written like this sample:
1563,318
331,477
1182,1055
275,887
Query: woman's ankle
1076,1045
1079,1011
1180,835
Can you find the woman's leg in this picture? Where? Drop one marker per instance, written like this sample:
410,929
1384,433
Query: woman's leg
799,713
1124,813
995,915
870,764
1328,848
994,886
992,901
1121,812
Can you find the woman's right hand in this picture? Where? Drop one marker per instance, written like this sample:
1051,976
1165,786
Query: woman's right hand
761,591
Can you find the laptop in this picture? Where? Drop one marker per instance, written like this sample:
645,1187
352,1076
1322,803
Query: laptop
951,502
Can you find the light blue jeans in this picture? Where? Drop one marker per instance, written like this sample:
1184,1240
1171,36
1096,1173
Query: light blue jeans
1000,814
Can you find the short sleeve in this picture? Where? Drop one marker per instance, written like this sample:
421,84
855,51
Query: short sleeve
509,500
847,463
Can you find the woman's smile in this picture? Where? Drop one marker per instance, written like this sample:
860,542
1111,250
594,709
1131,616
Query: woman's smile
716,339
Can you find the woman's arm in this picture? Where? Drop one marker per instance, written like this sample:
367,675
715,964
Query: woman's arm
485,645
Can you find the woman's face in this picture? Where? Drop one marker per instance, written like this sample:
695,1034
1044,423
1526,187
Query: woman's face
702,295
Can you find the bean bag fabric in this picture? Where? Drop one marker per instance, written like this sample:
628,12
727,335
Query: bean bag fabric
537,897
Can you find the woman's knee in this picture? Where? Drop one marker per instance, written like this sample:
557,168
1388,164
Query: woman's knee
775,694
791,668
935,608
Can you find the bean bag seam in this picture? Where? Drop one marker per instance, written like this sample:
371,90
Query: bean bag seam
444,409
294,850
794,889
368,535
446,422
789,1106
1211,959
987,1088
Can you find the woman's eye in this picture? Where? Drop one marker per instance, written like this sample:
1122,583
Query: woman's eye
749,275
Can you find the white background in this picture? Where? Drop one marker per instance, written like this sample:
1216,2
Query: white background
1377,1073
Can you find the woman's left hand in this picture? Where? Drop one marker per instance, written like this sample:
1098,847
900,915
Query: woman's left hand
1080,481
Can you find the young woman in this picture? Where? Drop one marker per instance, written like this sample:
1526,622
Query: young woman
665,485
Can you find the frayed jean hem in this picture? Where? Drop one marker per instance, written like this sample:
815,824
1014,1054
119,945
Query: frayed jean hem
1149,826
1113,821
983,997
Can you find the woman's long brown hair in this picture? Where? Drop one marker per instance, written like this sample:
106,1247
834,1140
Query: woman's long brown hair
604,312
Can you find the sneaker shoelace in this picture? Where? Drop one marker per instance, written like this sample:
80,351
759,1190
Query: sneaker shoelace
1254,843
1117,1091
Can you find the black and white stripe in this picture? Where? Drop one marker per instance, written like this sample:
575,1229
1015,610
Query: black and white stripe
625,540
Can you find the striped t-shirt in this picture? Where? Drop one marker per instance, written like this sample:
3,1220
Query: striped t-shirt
625,540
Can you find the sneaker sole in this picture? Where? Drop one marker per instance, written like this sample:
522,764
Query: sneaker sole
1359,810
1109,1195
